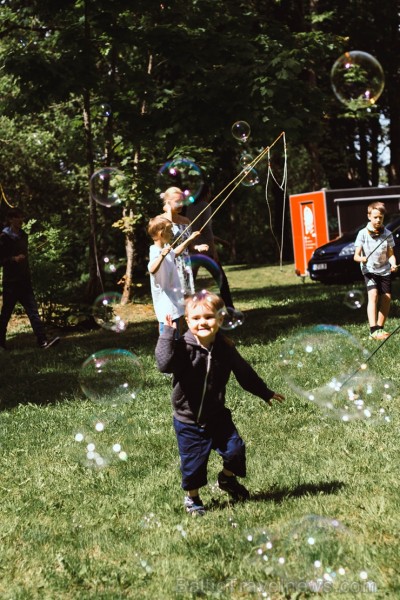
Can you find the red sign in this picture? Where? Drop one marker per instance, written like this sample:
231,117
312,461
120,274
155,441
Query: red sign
309,227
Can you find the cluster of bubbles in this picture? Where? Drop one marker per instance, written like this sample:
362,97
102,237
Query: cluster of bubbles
248,175
99,444
314,554
112,380
357,79
326,365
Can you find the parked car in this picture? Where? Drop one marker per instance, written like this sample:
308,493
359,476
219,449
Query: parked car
334,262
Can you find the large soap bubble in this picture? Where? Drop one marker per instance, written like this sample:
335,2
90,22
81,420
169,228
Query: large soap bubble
112,377
312,555
357,79
207,272
329,367
241,131
106,186
184,174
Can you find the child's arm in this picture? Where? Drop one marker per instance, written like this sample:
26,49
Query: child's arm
168,357
392,259
250,381
359,256
179,249
156,263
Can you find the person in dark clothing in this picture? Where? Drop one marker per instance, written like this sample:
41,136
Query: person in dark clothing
201,362
17,284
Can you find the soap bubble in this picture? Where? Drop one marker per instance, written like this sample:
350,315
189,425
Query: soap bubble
184,174
110,263
106,186
105,109
113,377
241,131
107,312
354,299
322,554
364,395
357,79
230,318
207,273
326,365
314,356
249,177
245,159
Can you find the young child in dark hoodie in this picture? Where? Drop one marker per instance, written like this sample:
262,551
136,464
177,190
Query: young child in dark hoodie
201,362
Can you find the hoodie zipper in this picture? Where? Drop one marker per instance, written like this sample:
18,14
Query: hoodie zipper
205,385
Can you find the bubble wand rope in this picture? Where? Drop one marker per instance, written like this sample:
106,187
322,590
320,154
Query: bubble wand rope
283,187
360,368
3,197
384,240
242,175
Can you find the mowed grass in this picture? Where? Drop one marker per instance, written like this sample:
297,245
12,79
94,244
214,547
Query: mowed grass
73,532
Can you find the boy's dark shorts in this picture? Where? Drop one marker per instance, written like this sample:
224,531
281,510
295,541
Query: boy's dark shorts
382,283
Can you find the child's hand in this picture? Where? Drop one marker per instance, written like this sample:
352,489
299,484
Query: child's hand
394,268
194,235
201,248
169,321
166,250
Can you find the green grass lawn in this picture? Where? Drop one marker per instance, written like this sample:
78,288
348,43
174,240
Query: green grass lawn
69,530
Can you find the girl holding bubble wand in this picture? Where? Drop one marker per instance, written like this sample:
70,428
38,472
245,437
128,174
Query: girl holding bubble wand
173,199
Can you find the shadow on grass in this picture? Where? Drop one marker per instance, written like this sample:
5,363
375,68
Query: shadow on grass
278,496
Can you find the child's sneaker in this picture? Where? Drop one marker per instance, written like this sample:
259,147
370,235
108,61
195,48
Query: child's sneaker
236,490
194,506
379,334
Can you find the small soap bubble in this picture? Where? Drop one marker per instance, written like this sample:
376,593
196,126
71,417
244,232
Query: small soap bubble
110,263
249,177
245,159
105,109
107,312
354,299
357,79
184,174
230,318
106,186
241,131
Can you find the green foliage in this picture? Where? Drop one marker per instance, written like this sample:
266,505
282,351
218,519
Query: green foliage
175,77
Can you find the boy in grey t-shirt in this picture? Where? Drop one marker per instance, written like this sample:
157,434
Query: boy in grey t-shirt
374,251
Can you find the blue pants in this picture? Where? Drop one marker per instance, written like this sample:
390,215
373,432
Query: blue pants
22,293
195,444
